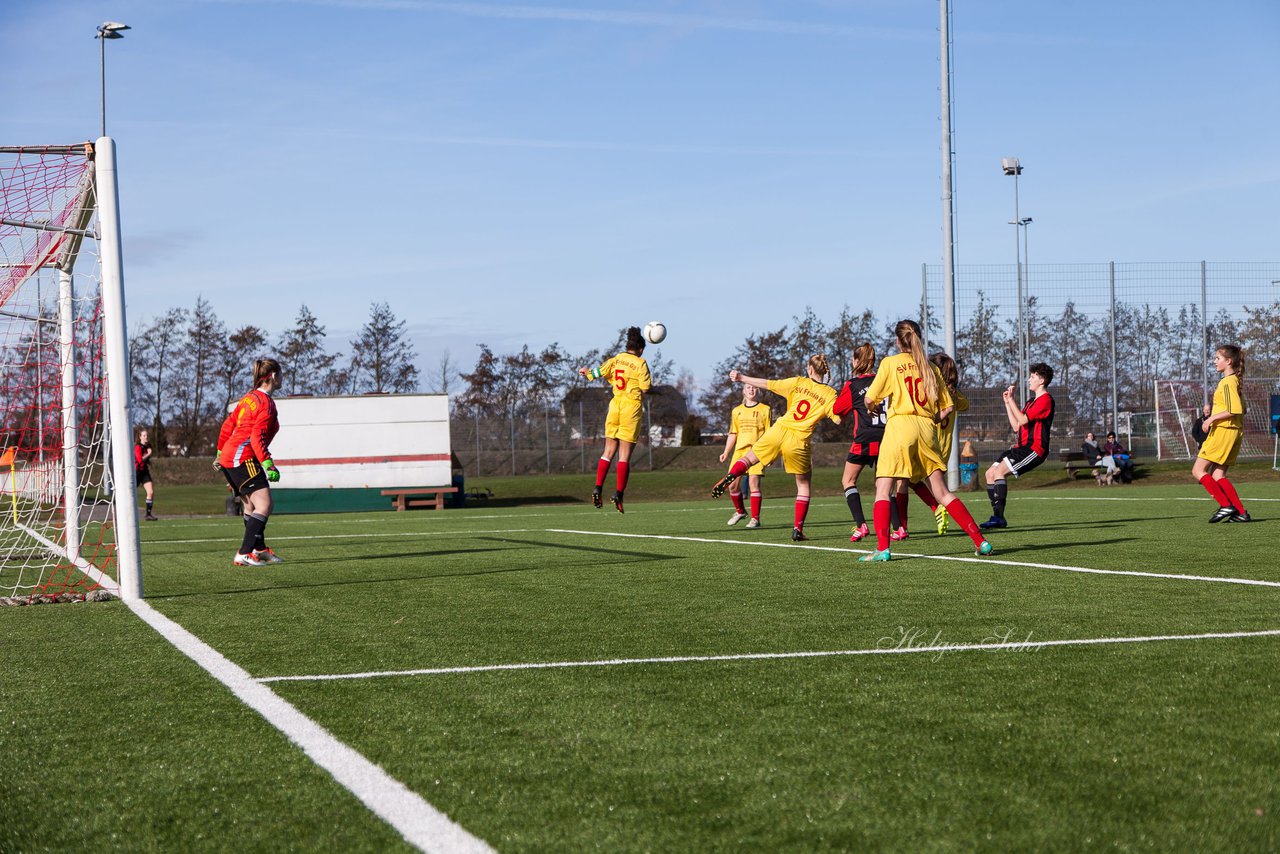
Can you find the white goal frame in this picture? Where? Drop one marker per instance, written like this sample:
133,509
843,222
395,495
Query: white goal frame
104,195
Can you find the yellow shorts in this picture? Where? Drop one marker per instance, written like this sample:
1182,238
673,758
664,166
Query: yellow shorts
1222,445
739,453
909,449
623,421
792,446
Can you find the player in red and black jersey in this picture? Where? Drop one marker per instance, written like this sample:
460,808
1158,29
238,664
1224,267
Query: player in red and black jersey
244,458
142,471
1032,424
868,430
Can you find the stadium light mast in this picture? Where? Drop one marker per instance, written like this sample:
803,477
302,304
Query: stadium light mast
1011,166
106,30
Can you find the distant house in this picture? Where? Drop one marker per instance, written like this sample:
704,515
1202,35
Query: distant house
584,409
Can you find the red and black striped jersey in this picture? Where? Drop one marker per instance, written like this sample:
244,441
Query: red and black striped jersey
868,429
1035,434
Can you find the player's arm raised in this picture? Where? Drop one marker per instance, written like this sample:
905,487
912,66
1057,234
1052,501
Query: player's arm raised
740,377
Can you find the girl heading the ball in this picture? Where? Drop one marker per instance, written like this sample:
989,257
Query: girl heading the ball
628,375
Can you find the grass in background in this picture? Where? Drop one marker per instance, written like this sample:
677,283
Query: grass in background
1156,746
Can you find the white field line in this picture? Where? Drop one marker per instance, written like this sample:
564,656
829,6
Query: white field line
898,648
959,558
421,824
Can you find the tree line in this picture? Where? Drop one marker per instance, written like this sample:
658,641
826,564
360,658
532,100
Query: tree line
187,366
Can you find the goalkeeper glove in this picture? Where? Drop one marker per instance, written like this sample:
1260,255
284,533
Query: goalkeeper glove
217,459
270,468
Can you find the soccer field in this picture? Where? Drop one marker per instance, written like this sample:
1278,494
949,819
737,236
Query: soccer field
562,678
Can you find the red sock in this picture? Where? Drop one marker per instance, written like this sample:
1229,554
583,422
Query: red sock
738,469
624,469
802,510
961,514
602,470
880,516
925,495
755,506
901,499
1229,490
736,498
1211,486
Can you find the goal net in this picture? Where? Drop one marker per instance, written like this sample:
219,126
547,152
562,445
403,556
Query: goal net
58,532
1180,402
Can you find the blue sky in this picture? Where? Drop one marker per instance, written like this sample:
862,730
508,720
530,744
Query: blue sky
508,173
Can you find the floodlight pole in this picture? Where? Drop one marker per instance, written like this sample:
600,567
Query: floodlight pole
1012,167
106,30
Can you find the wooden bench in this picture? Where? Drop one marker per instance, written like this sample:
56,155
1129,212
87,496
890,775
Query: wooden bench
1076,462
423,496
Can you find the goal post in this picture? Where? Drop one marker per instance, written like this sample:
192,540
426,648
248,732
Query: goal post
68,528
1179,403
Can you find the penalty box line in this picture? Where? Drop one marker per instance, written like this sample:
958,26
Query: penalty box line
1254,582
894,647
417,821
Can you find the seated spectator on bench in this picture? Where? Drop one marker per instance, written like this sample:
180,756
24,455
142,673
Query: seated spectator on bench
1095,456
1123,460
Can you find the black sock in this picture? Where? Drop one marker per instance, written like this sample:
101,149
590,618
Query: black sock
259,542
1001,496
854,501
150,505
253,525
991,495
894,522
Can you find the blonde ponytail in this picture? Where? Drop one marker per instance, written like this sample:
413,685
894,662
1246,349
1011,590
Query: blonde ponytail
908,335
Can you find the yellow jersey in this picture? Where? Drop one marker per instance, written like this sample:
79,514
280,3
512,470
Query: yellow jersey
899,378
807,402
628,374
1226,398
748,423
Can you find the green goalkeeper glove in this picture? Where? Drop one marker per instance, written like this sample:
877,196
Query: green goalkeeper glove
217,457
270,468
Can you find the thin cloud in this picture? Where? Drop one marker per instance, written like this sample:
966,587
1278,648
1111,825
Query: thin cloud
613,17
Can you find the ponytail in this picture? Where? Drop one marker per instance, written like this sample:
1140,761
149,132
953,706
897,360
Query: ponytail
864,357
263,368
818,364
908,335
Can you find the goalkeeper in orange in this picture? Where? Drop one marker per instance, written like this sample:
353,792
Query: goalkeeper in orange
628,374
245,460
809,400
910,452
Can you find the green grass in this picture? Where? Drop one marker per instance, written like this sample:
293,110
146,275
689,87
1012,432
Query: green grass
1158,746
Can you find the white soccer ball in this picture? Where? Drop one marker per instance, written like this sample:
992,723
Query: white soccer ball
654,332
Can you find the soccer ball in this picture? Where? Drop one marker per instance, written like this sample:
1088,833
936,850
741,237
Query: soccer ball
654,332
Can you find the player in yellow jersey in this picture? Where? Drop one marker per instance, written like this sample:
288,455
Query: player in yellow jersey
749,421
809,400
918,401
946,435
628,374
1224,424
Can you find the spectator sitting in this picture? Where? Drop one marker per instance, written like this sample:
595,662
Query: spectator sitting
1096,457
1121,456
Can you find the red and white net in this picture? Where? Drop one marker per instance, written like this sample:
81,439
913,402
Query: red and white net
56,519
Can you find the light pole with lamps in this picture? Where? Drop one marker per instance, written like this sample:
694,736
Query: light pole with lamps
1011,166
107,30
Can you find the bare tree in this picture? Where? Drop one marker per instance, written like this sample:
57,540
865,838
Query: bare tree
203,344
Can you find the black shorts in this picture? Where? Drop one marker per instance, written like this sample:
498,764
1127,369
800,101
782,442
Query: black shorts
864,453
246,478
144,476
1021,459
